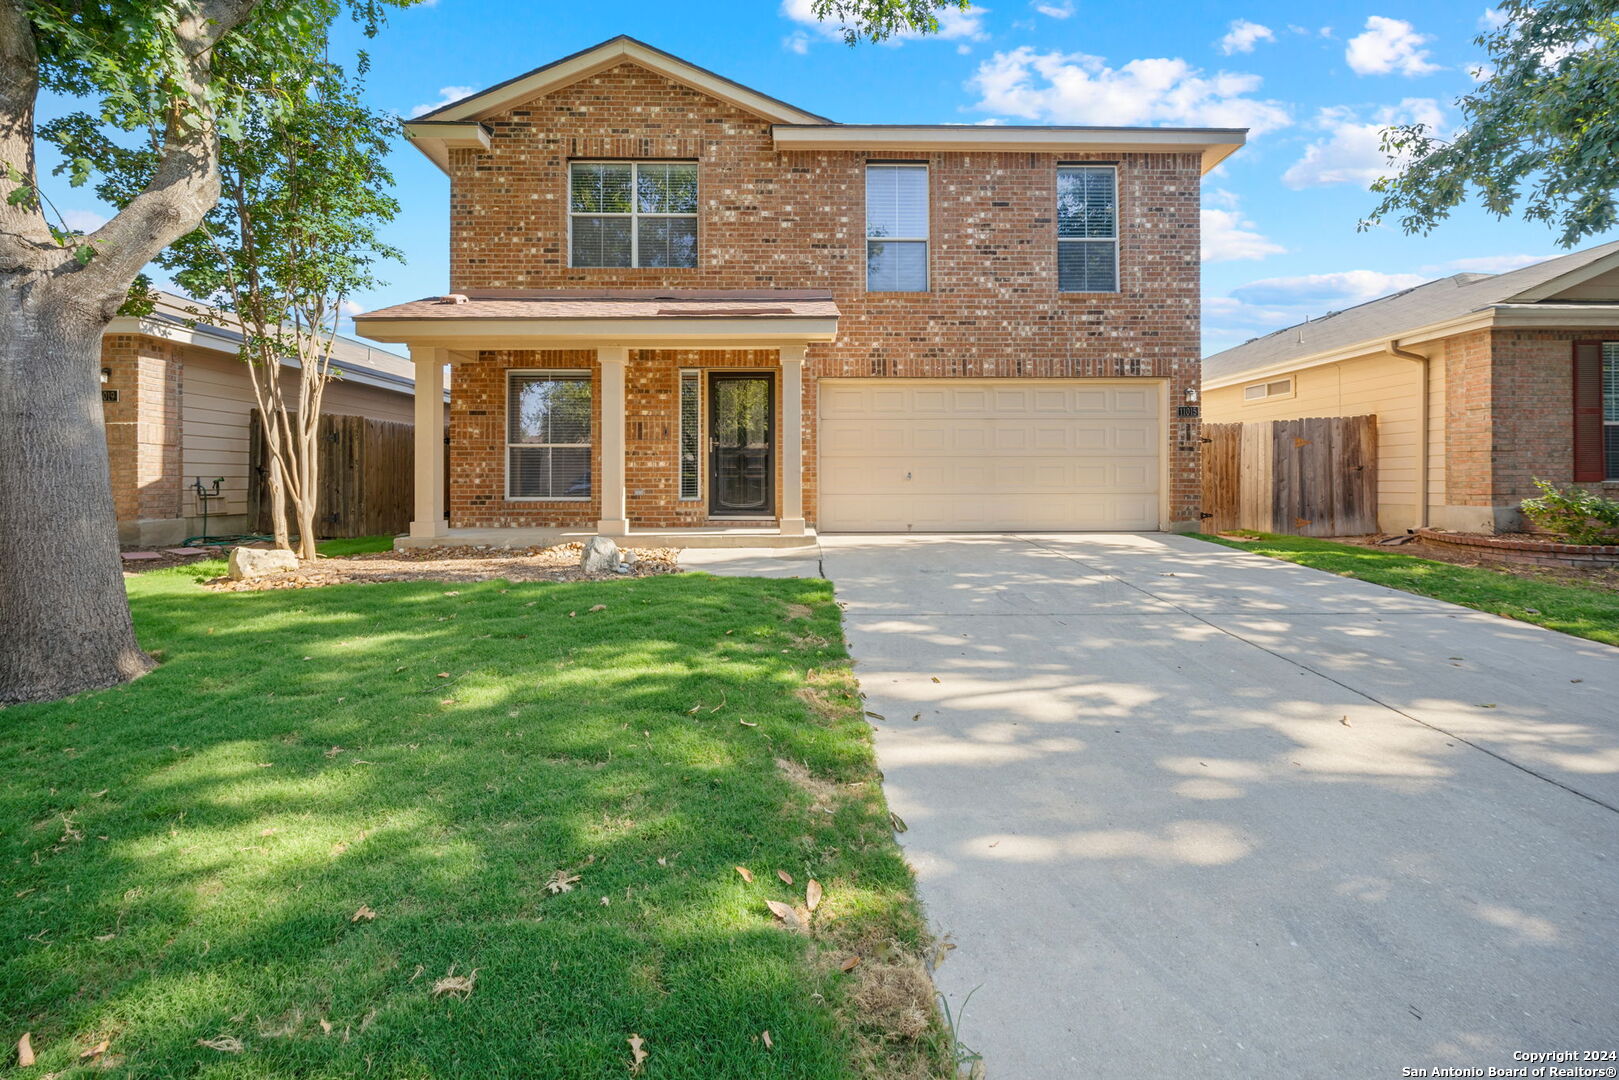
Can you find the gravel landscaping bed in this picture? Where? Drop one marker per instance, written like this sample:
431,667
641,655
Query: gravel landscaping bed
559,563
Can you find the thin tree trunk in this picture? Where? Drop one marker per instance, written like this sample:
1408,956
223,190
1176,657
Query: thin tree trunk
64,621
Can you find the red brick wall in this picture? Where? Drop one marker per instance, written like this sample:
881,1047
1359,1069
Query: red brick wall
143,426
1469,419
771,219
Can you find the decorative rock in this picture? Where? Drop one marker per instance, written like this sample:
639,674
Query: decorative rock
131,556
600,556
186,551
248,562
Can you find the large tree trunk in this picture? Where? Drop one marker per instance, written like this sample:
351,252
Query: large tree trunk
64,621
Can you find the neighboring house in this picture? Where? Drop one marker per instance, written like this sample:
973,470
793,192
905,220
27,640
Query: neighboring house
677,303
1519,373
177,401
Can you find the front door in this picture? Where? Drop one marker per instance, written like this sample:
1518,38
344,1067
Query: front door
741,444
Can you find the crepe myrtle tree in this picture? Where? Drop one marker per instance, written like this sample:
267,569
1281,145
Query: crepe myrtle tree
172,74
1536,135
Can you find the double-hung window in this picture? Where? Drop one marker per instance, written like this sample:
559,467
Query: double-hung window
548,435
629,213
1610,409
1087,228
896,228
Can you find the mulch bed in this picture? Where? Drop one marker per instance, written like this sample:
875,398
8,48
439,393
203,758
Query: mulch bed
560,563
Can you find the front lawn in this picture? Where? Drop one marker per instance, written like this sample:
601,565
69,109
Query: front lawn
1584,612
326,801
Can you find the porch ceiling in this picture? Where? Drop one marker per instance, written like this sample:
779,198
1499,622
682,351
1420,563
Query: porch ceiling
515,318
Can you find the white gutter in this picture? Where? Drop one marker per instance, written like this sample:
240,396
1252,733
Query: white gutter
1423,450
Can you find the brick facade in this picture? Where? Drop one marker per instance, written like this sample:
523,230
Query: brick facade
143,426
795,220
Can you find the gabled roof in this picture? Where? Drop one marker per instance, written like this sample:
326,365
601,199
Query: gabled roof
459,125
1530,291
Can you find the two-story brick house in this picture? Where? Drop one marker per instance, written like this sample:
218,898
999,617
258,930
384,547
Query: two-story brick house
679,304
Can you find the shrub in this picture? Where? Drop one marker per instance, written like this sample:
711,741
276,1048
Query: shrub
1580,516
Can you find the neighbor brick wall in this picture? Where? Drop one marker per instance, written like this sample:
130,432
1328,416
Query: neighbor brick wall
143,426
771,219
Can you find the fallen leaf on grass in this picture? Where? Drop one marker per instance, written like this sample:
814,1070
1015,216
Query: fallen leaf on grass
747,875
225,1044
326,1026
333,752
785,876
444,674
769,1045
896,821
460,985
876,716
850,964
747,723
599,607
812,895
95,1051
365,913
637,1052
787,914
561,881
25,1050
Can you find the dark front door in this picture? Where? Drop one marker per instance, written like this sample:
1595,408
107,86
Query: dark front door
741,444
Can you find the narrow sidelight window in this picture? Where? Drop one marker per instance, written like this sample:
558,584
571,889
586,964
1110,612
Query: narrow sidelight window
896,228
624,213
1087,228
548,435
1610,409
691,457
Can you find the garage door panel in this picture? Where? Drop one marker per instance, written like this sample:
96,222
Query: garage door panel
948,455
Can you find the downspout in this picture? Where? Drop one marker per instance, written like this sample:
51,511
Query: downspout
1423,450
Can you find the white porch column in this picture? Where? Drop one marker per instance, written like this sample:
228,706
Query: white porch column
614,521
429,397
792,440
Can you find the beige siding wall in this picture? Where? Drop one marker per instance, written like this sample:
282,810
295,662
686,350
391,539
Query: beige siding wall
1380,385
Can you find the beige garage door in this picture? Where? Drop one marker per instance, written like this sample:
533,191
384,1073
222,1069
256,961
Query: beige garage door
944,455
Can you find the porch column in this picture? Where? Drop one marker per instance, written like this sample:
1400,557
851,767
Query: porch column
614,521
429,397
792,440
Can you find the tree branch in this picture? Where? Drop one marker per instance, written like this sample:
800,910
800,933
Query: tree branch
25,239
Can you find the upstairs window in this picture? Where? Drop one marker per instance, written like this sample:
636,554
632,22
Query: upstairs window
548,435
1263,390
631,213
896,228
1087,228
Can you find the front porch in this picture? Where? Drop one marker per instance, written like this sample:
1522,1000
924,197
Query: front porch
658,420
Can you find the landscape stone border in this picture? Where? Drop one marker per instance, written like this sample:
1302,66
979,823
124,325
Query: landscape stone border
1582,556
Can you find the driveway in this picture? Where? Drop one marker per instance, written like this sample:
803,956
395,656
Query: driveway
1191,812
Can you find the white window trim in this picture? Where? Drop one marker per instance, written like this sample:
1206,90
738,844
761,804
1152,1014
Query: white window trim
633,215
1118,271
506,424
925,241
702,458
1291,391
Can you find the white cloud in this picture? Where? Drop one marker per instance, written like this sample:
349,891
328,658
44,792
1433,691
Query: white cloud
1492,19
1262,306
1389,46
1222,198
1055,11
446,95
1072,88
1228,237
1352,150
954,24
797,42
85,221
351,309
1244,35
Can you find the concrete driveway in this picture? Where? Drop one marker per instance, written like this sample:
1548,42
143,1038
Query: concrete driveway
1188,812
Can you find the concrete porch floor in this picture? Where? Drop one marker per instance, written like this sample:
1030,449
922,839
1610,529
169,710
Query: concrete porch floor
710,537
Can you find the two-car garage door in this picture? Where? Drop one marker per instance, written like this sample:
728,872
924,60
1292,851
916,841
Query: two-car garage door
944,455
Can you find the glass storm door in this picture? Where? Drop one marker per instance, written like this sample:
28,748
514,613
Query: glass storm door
741,444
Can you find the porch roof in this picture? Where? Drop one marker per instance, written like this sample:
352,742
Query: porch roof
491,318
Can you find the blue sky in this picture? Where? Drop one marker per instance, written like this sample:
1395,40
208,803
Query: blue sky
1314,83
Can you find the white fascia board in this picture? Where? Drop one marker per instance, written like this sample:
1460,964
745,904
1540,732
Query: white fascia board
1213,144
436,138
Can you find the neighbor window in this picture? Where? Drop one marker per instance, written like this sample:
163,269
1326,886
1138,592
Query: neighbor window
548,435
1087,228
1263,390
896,228
625,213
691,443
1610,409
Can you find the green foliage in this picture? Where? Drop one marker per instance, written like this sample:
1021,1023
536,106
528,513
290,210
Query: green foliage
1526,595
1536,135
878,20
1580,516
183,856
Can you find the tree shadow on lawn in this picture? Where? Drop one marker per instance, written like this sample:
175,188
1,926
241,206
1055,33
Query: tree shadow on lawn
186,854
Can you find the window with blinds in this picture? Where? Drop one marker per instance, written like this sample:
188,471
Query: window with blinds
896,228
1087,228
548,435
691,442
1610,409
627,213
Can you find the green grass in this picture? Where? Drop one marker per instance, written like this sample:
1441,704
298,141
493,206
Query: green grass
1584,612
182,856
358,545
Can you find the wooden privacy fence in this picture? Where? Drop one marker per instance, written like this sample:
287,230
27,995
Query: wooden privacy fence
1315,477
366,477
